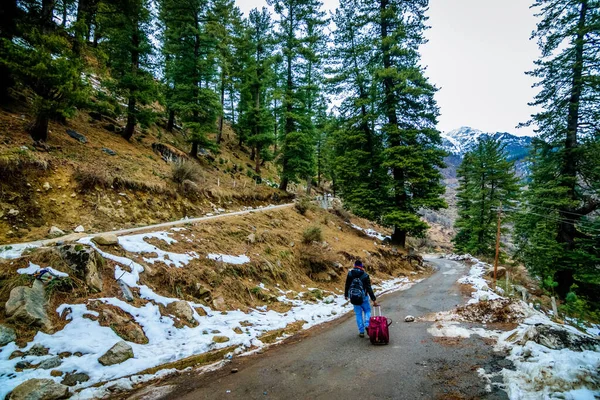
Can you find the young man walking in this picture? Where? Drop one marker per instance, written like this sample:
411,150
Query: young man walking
358,290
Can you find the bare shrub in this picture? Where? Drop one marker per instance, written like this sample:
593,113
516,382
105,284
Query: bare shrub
341,212
90,178
186,171
303,205
312,234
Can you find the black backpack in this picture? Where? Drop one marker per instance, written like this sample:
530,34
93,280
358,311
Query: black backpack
357,290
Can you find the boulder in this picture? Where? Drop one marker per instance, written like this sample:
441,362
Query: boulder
134,333
117,354
39,389
500,272
202,292
409,318
109,151
84,261
77,136
50,363
72,379
55,232
106,239
251,238
126,290
46,186
28,305
37,350
329,299
220,339
79,229
182,310
219,303
7,335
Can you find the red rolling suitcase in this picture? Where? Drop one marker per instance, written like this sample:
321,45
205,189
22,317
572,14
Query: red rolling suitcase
378,330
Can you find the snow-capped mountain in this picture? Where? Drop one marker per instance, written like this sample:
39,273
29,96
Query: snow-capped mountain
459,141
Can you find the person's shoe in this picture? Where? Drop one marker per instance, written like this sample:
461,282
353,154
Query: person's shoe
367,330
361,334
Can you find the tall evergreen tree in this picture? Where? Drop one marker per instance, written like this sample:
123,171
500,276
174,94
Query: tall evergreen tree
408,114
487,182
42,60
564,191
126,28
362,180
256,122
223,21
188,52
298,29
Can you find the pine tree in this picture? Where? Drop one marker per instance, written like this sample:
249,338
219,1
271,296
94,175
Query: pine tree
487,182
223,21
299,22
42,60
358,147
188,51
126,28
255,123
563,194
408,113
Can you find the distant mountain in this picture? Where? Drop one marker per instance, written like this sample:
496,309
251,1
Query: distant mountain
459,141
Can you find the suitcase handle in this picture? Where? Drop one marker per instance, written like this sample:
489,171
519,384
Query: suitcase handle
389,321
376,311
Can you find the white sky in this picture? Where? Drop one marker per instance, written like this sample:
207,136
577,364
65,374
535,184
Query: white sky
477,55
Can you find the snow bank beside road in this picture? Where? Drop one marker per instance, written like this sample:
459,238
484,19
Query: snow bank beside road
166,342
551,360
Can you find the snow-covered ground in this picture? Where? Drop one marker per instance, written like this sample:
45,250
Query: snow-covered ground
546,365
166,343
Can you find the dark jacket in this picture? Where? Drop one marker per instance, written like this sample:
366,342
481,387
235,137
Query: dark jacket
366,281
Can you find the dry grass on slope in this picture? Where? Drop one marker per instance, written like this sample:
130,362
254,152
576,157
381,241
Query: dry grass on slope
69,183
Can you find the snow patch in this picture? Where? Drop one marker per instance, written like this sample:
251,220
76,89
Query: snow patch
33,268
238,260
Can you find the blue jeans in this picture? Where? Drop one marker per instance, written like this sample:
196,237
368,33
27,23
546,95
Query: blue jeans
365,308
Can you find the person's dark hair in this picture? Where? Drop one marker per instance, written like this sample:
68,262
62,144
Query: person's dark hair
358,263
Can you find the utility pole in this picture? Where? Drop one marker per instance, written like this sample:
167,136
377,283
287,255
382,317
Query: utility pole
497,244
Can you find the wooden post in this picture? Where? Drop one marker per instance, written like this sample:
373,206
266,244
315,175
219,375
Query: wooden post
497,244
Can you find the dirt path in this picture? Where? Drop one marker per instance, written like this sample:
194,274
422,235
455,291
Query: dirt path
76,236
332,362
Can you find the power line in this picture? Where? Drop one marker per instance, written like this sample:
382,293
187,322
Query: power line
554,219
557,210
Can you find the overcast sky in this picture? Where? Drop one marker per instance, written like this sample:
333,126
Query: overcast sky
477,55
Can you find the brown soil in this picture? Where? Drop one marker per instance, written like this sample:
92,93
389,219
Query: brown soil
103,192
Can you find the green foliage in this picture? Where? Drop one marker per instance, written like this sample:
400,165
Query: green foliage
126,29
387,150
559,221
42,60
312,234
301,37
303,205
487,182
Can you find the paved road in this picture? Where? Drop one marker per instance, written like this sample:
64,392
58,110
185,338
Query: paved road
17,247
332,362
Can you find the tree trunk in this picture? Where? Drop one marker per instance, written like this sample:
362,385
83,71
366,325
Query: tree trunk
171,121
130,127
135,63
252,153
284,183
257,160
8,17
399,237
221,117
47,13
194,151
39,129
64,14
